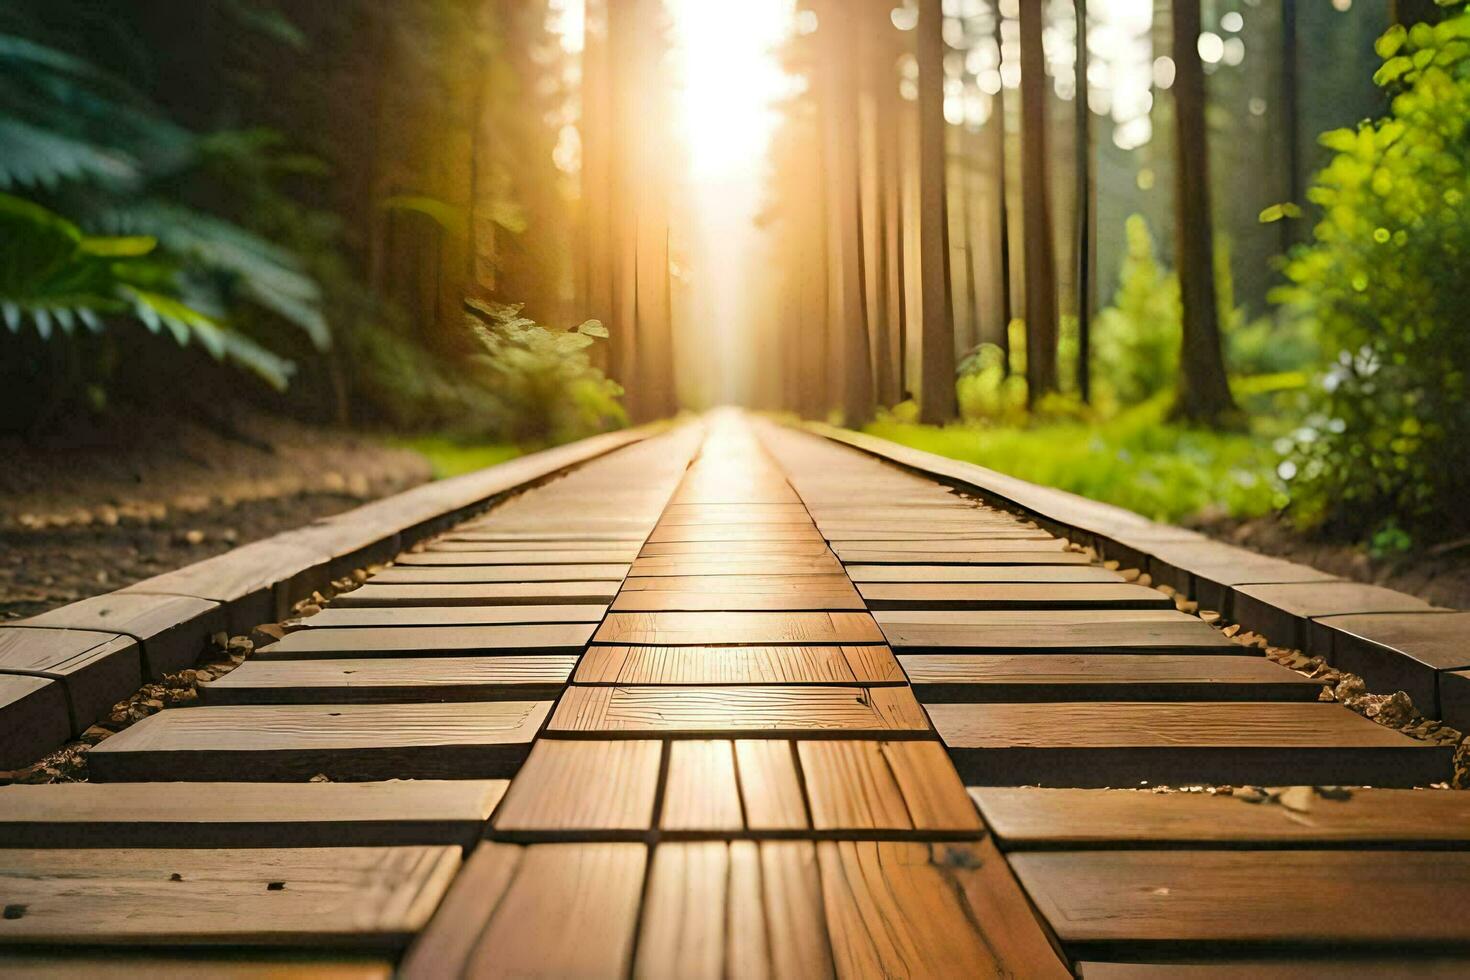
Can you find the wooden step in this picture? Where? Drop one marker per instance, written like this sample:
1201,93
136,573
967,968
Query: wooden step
494,594
346,742
804,531
348,897
177,814
394,679
739,665
675,628
743,584
739,565
1089,631
758,711
420,641
1011,595
533,550
620,556
1210,900
476,574
880,553
1049,574
583,787
885,786
1180,743
810,600
732,549
1030,818
1102,677
332,617
900,544
94,669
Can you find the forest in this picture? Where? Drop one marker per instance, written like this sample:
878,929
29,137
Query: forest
1196,257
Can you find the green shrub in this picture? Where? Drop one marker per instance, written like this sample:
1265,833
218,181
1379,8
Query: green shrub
1136,346
1383,284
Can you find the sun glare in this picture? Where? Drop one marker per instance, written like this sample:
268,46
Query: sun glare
729,81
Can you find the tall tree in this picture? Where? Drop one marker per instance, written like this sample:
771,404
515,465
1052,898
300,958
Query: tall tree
1040,256
997,124
875,68
937,403
1083,108
1204,392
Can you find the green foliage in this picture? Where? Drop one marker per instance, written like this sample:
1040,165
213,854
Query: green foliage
1136,460
1137,337
1383,284
453,457
545,376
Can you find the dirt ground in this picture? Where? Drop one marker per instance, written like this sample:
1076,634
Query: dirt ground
108,504
1441,577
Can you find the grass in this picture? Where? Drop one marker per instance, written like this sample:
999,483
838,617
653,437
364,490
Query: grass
1135,460
449,457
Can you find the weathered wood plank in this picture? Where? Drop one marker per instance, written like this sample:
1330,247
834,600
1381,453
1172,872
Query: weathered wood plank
391,679
683,932
981,573
345,742
331,617
812,600
1180,743
479,574
804,531
1281,612
742,584
732,549
172,630
575,556
247,814
95,669
583,786
1011,595
747,565
1030,818
885,555
702,791
426,641
756,711
748,627
769,785
367,897
1178,899
504,593
1103,677
33,719
1091,631
1397,651
739,665
949,546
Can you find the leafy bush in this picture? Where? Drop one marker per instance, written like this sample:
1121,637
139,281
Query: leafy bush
1138,336
544,375
1383,283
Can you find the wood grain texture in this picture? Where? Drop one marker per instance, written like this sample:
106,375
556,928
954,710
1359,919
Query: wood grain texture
395,679
583,786
576,547
769,785
508,593
478,574
739,665
895,786
334,618
804,531
737,584
909,909
1180,898
791,887
229,964
683,932
737,564
757,710
902,543
811,600
1029,818
701,791
94,669
1128,743
346,742
1050,574
426,641
881,553
1292,965
1095,631
247,814
735,549
1103,677
660,629
562,557
171,629
1010,595
365,897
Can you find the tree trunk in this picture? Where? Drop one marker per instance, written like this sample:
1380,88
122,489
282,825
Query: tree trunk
1040,257
1003,209
1084,211
1204,393
596,171
966,169
937,403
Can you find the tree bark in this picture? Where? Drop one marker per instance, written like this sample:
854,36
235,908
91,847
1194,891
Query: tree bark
1204,393
937,403
1084,210
1040,256
997,123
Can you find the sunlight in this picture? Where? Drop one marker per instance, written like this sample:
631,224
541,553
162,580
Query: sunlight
729,81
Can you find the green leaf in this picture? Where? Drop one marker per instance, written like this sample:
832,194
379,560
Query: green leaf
1278,212
132,246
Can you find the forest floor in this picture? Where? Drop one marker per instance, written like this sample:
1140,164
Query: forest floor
114,502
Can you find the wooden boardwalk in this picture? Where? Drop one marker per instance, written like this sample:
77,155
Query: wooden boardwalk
737,701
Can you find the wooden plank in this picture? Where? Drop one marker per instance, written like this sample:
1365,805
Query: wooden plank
885,786
365,897
1454,697
574,556
661,629
506,593
1091,631
932,790
1296,965
532,549
749,565
683,933
1178,899
172,630
714,514
919,533
910,909
345,742
813,600
804,531
1011,595
477,574
769,785
33,719
402,679
1281,611
95,669
331,617
789,549
701,791
1397,651
1115,743
757,711
545,910
791,888
886,555
583,786
247,814
901,544
1031,818
742,584
739,665
981,573
229,964
419,641
1103,677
